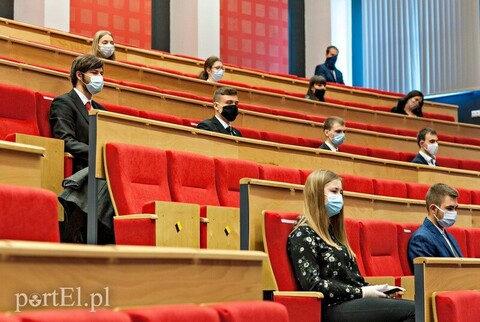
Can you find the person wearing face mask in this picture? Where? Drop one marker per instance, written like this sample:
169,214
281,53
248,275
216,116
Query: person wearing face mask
334,131
213,69
225,104
431,239
328,69
69,122
103,45
410,105
316,88
427,140
323,261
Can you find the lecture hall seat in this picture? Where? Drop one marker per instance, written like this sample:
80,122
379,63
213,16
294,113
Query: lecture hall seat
173,313
280,174
473,240
352,229
390,188
73,315
28,214
248,311
456,306
405,231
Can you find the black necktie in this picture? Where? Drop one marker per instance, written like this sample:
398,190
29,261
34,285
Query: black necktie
229,130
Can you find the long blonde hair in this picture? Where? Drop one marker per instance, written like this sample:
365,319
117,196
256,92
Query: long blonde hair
96,44
315,213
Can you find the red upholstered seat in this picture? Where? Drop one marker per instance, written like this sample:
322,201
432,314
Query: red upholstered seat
447,162
334,101
73,315
316,118
464,196
234,83
276,228
406,156
309,142
473,165
446,137
141,86
407,132
383,154
173,313
356,125
382,129
8,318
405,231
187,95
417,190
467,140
391,188
352,229
28,214
248,311
281,174
271,90
380,248
473,240
228,173
359,105
292,114
161,117
255,108
382,108
438,116
187,121
353,149
356,183
43,103
457,306
279,138
191,178
17,111
461,237
249,133
475,197
121,109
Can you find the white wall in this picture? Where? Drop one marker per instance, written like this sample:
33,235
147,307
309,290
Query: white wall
47,13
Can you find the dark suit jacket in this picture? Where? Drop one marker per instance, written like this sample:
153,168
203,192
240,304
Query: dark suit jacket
324,146
427,241
421,160
326,72
69,122
214,125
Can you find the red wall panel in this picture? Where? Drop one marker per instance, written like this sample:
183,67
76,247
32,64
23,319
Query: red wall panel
128,20
254,33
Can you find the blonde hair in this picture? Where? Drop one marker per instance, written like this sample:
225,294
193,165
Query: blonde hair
96,44
315,213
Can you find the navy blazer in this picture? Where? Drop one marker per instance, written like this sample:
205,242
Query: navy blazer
421,160
324,146
427,241
214,125
326,72
69,122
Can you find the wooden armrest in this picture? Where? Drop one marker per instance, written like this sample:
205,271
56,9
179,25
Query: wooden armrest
299,294
375,280
204,220
68,155
136,216
408,283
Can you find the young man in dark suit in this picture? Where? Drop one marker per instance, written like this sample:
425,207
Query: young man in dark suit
427,140
328,69
225,103
432,238
334,130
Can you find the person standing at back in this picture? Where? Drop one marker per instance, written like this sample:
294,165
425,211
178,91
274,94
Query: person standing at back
225,104
103,45
328,69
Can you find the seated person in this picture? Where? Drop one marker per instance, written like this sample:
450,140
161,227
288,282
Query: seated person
328,69
323,261
213,69
410,105
334,131
316,88
225,103
432,238
427,140
103,45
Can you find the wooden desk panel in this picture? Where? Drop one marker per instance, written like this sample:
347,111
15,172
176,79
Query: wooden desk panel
132,275
21,164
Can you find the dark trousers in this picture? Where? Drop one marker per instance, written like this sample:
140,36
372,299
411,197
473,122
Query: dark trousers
371,310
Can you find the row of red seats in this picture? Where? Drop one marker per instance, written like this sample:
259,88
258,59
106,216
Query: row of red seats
246,311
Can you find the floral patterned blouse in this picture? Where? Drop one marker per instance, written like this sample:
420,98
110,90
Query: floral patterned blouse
322,268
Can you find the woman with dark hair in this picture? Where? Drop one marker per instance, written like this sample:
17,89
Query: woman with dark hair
103,45
212,69
323,261
410,105
316,88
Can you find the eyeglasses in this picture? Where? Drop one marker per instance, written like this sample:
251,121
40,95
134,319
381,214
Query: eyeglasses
218,67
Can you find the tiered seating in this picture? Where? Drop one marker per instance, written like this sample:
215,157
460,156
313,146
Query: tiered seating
456,306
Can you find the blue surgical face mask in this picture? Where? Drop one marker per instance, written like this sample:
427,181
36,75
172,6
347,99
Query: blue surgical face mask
334,204
338,139
217,74
449,217
95,85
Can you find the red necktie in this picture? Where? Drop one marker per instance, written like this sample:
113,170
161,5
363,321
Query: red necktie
88,106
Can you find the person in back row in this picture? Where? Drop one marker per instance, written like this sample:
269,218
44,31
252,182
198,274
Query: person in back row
225,103
213,69
103,45
427,140
316,88
432,238
334,131
328,69
323,260
410,105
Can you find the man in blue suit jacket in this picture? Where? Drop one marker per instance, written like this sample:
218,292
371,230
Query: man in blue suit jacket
432,238
328,69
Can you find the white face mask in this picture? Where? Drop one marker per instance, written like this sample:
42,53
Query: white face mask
95,85
107,50
449,218
432,149
217,75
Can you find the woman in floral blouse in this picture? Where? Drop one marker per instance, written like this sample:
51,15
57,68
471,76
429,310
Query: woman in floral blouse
324,262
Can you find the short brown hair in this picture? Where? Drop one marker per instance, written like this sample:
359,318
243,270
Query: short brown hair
328,124
83,64
423,133
438,192
224,91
